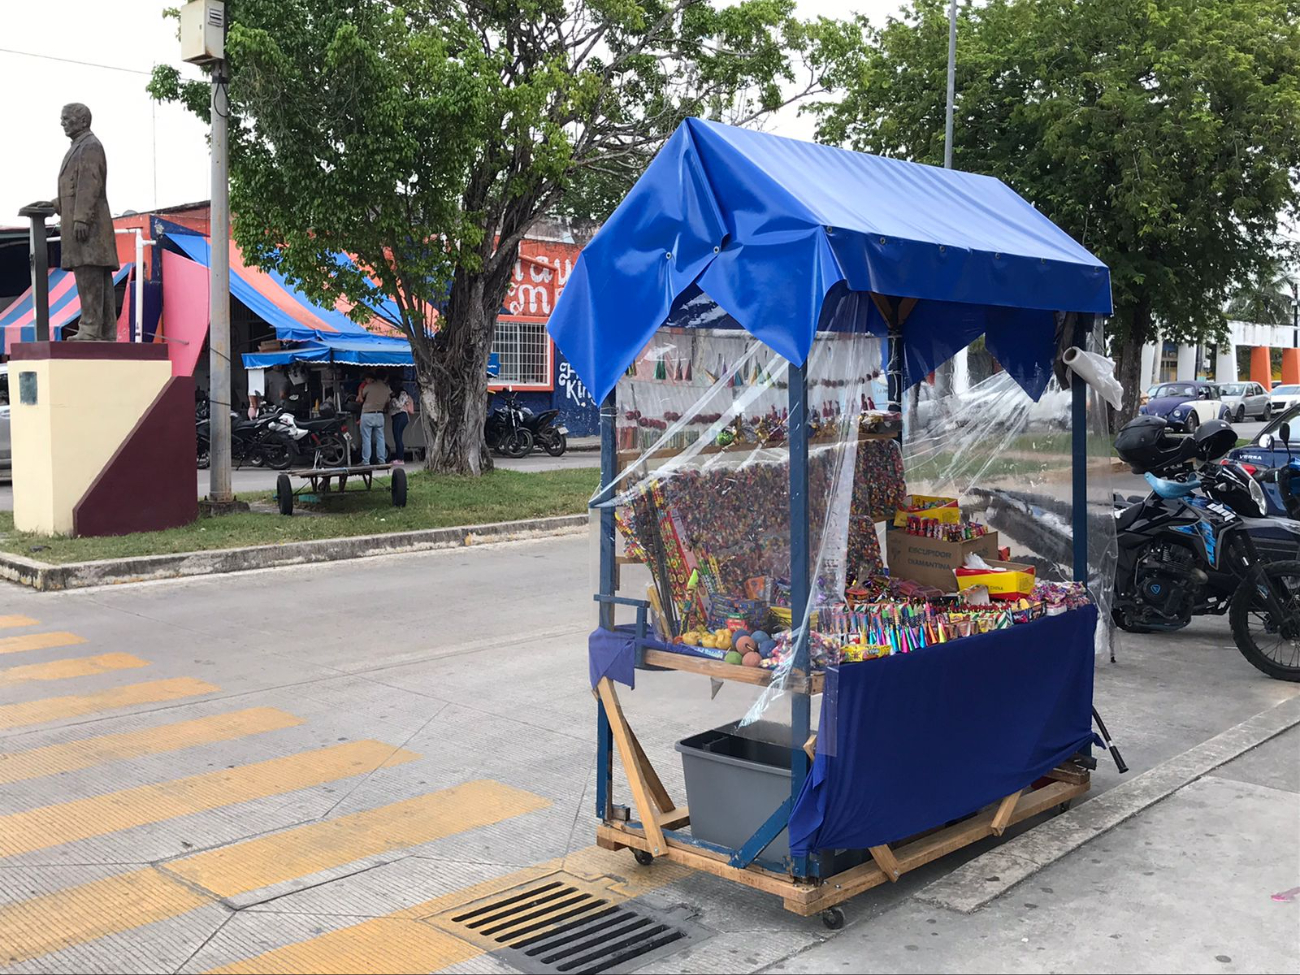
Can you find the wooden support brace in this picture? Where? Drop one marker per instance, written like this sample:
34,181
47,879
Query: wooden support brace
887,862
629,750
810,747
1002,818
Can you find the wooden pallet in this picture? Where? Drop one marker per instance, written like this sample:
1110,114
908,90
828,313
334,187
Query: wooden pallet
659,817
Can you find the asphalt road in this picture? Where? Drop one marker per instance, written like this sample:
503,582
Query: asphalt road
317,769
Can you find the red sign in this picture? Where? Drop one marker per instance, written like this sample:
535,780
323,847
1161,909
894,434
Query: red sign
541,271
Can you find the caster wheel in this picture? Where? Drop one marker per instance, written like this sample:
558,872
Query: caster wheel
1063,807
642,857
833,919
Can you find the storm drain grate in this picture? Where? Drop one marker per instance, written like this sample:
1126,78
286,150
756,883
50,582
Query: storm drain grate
562,924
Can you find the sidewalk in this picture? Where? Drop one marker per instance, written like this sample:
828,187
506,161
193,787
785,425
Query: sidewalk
1187,885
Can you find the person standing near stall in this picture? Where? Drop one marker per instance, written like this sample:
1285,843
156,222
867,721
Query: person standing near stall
373,397
400,408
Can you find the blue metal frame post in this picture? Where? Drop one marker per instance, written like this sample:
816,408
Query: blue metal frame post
801,704
1079,451
608,586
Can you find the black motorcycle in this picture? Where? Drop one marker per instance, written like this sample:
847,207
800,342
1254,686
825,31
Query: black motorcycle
507,431
1200,544
547,433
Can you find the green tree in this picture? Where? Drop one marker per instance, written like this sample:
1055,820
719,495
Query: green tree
1266,299
1164,135
425,139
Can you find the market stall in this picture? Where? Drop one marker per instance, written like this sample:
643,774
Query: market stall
750,318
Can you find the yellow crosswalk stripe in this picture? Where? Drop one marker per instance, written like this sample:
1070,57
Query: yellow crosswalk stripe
85,752
6,622
112,905
72,667
400,942
75,705
309,849
39,641
80,819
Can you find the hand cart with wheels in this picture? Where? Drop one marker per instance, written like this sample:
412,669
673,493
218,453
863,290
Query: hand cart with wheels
319,480
791,242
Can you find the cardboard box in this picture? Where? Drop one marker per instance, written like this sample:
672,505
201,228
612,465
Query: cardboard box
945,510
1017,580
932,561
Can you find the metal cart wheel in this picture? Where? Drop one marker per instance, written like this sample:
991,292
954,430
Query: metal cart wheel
643,857
284,494
399,488
833,918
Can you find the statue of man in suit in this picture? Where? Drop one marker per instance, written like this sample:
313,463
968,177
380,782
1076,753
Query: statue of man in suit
89,248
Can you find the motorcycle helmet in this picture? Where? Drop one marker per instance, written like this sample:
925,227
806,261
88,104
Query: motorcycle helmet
1145,445
1214,438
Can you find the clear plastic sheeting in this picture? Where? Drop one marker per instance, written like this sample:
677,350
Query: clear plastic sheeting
704,523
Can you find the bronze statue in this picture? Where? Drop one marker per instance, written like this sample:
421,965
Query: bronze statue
89,248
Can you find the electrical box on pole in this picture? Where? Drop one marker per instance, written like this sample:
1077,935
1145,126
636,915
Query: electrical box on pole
203,31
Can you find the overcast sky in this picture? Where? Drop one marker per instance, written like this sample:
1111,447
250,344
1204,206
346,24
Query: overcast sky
157,154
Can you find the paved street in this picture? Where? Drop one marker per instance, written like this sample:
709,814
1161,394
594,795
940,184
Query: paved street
318,769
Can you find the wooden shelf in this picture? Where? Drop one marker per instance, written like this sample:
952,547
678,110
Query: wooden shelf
720,670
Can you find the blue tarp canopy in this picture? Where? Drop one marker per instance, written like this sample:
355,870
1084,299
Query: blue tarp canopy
787,237
372,351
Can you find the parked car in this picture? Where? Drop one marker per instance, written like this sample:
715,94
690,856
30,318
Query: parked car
1285,397
1268,450
1186,405
1246,399
6,456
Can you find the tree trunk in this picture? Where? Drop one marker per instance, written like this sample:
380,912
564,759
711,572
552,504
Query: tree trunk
458,391
1136,335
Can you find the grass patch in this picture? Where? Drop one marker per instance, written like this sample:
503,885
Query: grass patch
433,501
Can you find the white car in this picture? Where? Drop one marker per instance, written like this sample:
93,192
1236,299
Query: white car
1246,400
1284,397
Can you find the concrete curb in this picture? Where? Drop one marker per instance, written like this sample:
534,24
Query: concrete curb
974,884
48,577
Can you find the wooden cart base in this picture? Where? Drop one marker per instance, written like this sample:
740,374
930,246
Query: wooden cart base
655,836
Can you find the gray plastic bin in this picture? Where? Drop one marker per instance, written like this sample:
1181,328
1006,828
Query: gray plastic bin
734,783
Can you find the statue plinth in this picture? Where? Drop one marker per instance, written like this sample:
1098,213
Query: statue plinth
103,439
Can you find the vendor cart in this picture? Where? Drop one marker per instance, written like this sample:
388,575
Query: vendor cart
319,480
918,754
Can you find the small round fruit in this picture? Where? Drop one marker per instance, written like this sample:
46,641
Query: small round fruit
733,657
752,659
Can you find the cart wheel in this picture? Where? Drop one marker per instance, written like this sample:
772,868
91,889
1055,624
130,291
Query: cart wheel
1063,807
643,857
399,488
833,918
284,494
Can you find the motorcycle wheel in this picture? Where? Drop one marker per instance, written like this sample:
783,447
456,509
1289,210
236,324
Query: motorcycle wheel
1258,636
203,454
276,456
556,445
518,443
333,451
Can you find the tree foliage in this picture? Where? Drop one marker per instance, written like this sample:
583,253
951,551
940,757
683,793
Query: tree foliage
426,138
1164,135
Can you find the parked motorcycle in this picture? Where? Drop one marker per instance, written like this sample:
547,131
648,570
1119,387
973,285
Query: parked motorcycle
1200,543
547,434
507,431
322,442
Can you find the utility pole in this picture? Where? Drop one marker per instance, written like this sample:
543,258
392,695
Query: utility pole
945,375
219,489
952,83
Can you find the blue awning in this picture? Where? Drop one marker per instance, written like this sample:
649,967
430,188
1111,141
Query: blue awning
780,237
373,351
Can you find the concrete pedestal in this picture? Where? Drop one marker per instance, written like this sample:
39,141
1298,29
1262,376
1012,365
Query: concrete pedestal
1225,363
103,439
1261,366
